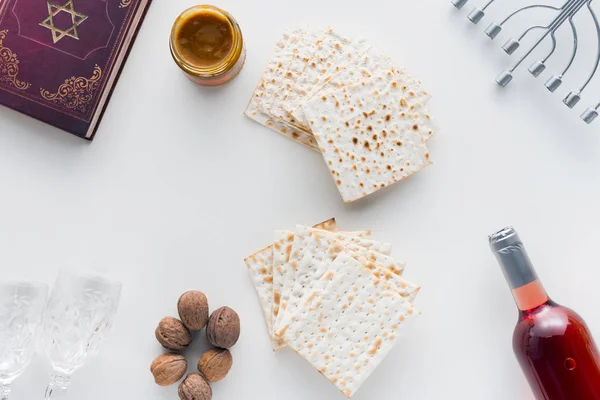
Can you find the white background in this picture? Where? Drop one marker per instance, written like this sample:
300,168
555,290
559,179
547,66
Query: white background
179,187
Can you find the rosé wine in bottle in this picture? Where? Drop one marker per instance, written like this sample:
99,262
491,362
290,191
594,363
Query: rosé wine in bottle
552,343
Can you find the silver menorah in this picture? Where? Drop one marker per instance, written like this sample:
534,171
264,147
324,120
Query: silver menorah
563,14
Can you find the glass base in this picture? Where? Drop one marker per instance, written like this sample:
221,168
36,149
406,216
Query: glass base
57,388
4,392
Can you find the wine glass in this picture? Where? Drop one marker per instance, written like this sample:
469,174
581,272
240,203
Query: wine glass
80,313
22,307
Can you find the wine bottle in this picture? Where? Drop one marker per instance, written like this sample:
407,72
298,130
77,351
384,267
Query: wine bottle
552,343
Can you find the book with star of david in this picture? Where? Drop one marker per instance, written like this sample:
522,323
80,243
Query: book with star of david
60,59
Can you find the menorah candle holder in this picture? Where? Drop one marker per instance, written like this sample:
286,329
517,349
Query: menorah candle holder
563,15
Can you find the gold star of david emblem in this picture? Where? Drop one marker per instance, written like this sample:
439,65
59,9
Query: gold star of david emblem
76,19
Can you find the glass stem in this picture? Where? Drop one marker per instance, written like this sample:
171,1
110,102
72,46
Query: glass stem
4,392
57,388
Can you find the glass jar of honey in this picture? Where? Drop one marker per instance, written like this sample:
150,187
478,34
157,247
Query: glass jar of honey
207,44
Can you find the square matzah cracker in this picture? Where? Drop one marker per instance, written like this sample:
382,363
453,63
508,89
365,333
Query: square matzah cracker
404,97
267,88
356,238
367,248
366,145
294,262
319,251
404,94
279,126
277,74
329,225
304,265
260,267
386,261
302,52
348,328
282,248
333,54
364,66
370,63
407,290
272,75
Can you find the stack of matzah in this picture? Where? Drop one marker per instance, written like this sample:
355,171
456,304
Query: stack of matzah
346,99
336,298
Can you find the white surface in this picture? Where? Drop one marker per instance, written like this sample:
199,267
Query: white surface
178,188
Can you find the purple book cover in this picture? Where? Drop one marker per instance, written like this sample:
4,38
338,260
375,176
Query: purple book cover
60,59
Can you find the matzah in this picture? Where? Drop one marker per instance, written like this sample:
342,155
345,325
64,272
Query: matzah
351,102
348,328
404,288
260,268
328,225
303,265
350,238
320,68
385,260
319,249
404,97
367,146
278,126
337,299
267,88
370,63
285,272
282,247
302,51
366,65
277,76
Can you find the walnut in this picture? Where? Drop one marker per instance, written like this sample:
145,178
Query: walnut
193,310
215,364
195,387
168,368
223,328
172,334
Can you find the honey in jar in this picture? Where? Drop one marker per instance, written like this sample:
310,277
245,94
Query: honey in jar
207,44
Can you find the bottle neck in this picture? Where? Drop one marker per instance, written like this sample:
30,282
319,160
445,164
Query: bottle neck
518,270
530,296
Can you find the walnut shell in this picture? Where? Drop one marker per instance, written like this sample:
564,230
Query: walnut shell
172,334
195,387
168,368
215,364
193,310
223,328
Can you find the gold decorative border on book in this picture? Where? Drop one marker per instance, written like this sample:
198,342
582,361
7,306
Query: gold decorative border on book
75,93
9,66
125,3
115,60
